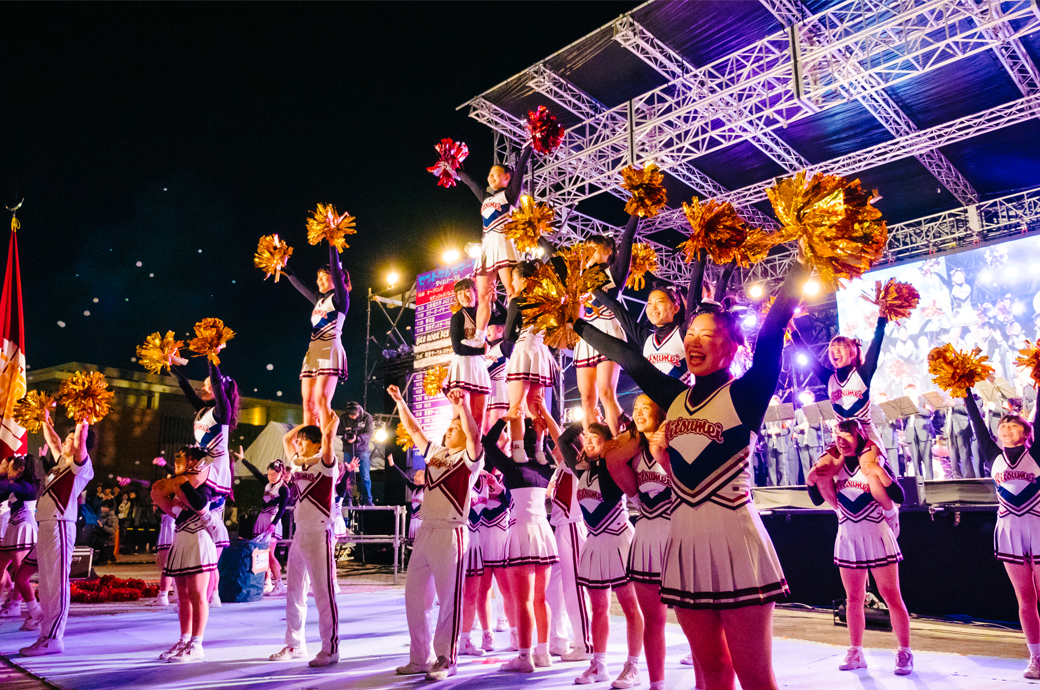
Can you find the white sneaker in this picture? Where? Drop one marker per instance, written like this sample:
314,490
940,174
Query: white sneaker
595,673
539,457
559,648
172,650
442,669
42,647
904,663
542,660
162,600
1033,669
514,641
519,456
853,660
215,600
687,660
467,648
279,589
323,658
518,664
628,678
190,652
32,622
288,653
11,609
577,654
411,669
488,641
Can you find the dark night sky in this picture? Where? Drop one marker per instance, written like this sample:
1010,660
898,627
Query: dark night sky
146,133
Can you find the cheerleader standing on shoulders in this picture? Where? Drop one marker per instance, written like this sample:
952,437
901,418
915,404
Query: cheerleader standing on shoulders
497,357
268,523
311,556
1016,539
531,367
498,254
720,570
467,371
216,416
325,363
20,485
531,549
567,598
863,494
439,553
475,570
56,513
193,556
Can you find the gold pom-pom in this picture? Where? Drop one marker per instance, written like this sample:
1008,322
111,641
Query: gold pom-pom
644,260
647,189
552,306
326,224
895,300
954,371
1029,359
85,396
433,381
403,438
756,246
528,222
840,230
211,335
30,411
715,227
157,352
272,253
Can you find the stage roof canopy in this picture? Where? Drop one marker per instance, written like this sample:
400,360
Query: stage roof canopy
934,103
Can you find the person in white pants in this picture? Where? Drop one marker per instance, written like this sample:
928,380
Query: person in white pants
56,512
313,471
566,598
438,562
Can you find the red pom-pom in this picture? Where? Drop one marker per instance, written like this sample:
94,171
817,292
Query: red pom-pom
545,132
452,153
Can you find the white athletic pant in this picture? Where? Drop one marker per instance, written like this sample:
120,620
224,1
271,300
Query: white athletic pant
54,558
566,598
311,562
437,567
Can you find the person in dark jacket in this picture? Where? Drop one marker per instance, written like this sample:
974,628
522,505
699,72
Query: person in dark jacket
357,428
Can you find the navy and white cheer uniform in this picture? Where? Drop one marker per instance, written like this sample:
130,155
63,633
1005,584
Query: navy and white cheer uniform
193,551
646,555
494,529
563,593
496,250
22,529
325,355
604,559
496,369
467,370
166,532
666,352
276,496
474,549
864,539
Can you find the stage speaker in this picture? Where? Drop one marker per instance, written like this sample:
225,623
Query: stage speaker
913,490
876,619
281,550
82,559
376,522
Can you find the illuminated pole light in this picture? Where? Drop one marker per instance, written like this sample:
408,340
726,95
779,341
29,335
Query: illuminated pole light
451,256
473,250
751,320
392,278
802,359
575,414
381,434
755,291
812,288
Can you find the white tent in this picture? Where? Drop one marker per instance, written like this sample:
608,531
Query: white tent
268,447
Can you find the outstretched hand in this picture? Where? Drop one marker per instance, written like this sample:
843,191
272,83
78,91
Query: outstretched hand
456,397
395,394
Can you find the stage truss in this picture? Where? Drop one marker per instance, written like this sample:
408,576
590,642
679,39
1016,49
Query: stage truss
851,51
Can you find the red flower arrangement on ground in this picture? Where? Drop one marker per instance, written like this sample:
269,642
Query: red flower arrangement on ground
111,588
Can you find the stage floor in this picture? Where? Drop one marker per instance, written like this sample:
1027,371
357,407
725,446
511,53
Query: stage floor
116,650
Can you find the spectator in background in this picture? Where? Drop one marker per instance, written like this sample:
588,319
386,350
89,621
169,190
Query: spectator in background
95,500
86,524
123,512
108,528
357,428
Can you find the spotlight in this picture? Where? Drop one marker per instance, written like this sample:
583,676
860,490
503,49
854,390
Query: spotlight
755,291
986,276
751,320
538,251
381,434
575,414
392,278
802,359
811,289
473,250
1010,272
451,256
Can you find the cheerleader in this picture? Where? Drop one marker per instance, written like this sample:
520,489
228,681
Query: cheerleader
863,494
474,563
268,523
531,366
216,416
20,486
415,501
325,363
498,254
849,375
343,493
531,549
467,371
162,552
720,570
497,357
193,556
641,477
56,513
567,598
439,554
495,523
1015,460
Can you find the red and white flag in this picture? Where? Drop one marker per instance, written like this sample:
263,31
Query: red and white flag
13,437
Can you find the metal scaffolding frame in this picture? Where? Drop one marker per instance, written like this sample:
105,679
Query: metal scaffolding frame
392,303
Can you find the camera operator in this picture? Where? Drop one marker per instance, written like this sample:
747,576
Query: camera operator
357,428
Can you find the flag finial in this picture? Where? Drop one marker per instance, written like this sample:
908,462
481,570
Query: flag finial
14,215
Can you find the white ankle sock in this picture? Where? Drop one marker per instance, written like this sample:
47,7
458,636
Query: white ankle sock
634,660
525,653
185,638
600,658
465,638
1034,649
657,685
196,640
542,648
904,649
